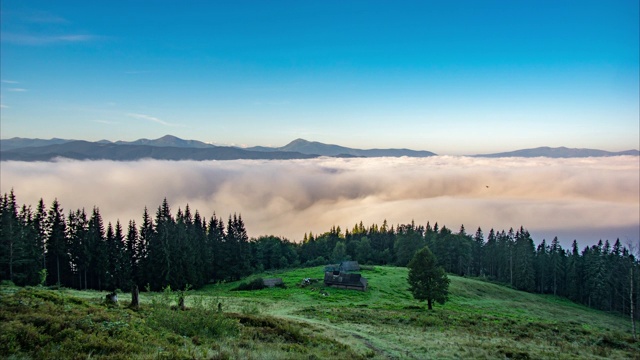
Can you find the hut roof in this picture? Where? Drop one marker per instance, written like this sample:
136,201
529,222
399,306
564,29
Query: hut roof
346,280
272,282
349,266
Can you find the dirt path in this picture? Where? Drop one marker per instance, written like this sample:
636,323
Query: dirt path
364,340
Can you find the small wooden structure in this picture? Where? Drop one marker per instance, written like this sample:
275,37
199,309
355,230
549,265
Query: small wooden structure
348,266
272,282
343,276
343,280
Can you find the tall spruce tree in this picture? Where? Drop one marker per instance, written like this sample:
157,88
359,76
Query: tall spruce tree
524,256
427,281
57,249
96,253
77,233
31,261
10,246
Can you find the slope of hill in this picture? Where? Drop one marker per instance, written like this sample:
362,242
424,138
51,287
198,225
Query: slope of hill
480,320
168,141
83,150
17,143
559,152
318,148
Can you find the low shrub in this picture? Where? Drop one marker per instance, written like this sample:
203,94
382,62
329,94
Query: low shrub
255,284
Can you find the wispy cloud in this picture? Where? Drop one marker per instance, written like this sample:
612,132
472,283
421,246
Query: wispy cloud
107,122
10,82
17,90
34,40
150,118
45,18
3,106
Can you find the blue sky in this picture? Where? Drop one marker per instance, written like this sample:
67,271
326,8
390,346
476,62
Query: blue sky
449,77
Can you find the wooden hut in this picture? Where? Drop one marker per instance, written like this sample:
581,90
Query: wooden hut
272,282
343,280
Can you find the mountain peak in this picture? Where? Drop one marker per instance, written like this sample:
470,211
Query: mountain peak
169,137
299,141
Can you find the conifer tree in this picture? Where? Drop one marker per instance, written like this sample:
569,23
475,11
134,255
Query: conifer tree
132,245
77,233
477,253
524,256
557,267
215,249
542,266
147,233
427,281
39,228
57,250
10,246
96,253
30,263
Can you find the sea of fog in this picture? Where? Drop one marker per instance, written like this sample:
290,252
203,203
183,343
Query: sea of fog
585,199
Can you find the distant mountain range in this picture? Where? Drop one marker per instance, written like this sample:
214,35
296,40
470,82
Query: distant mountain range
84,150
173,148
559,152
317,148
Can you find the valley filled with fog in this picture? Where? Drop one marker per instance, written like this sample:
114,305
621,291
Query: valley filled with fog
586,199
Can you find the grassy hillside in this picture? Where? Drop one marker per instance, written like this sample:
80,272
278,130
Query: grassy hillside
481,320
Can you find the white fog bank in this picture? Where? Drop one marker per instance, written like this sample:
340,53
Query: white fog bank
586,199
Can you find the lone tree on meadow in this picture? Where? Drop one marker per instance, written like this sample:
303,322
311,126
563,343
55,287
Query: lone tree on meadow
427,280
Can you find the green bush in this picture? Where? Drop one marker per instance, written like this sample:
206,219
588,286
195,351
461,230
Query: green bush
256,284
200,321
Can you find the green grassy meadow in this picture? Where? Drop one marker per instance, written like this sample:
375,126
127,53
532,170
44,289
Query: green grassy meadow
481,320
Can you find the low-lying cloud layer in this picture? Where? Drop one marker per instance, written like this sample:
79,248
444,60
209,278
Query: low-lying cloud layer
586,199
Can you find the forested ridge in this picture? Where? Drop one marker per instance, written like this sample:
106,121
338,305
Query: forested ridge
77,250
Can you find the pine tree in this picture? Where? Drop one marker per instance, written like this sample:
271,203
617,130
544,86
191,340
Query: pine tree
159,250
31,261
542,267
40,231
408,240
241,240
147,233
57,249
77,233
123,272
10,246
491,255
133,247
574,274
95,252
427,281
477,253
557,265
524,255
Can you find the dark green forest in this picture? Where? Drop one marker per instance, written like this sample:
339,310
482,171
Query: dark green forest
47,246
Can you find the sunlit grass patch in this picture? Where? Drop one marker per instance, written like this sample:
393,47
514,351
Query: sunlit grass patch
480,320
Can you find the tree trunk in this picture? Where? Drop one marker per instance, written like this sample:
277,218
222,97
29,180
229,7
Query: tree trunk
511,265
633,320
58,269
10,252
135,297
430,304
